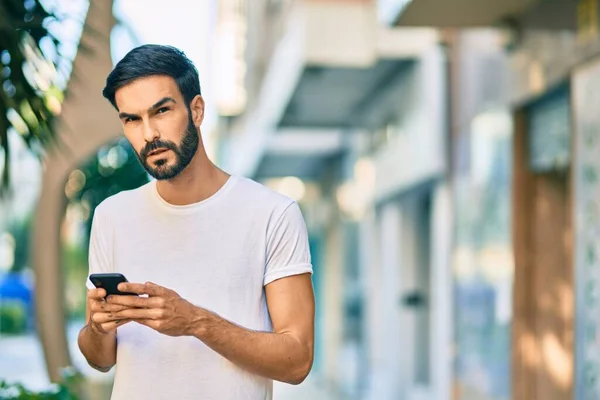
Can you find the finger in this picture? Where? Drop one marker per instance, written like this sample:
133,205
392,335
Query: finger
151,323
97,294
139,313
134,301
112,325
100,318
137,288
96,328
152,289
149,288
98,306
104,317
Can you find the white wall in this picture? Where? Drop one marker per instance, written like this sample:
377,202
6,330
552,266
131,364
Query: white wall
441,299
418,152
383,312
340,33
397,236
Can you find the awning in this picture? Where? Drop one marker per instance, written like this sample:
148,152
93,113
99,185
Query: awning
532,14
303,153
335,97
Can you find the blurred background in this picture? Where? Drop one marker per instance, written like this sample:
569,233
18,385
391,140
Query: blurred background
445,153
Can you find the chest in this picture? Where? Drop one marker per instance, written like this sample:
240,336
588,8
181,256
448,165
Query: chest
208,261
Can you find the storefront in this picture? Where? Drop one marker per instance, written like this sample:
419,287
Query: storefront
543,294
525,235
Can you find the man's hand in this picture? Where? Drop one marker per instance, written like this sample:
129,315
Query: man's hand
163,310
285,354
102,317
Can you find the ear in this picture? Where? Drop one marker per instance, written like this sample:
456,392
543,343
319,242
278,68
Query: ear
197,108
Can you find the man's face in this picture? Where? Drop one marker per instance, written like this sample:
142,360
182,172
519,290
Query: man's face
158,124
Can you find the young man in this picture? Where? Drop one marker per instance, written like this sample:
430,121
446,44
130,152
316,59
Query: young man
227,304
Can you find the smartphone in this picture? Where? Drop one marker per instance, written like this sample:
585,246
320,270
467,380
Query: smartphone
110,282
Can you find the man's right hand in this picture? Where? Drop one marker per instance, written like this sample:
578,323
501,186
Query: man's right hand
101,319
98,340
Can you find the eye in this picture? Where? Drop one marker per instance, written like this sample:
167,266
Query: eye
129,119
162,110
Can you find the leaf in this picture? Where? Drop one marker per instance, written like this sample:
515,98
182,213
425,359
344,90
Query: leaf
21,31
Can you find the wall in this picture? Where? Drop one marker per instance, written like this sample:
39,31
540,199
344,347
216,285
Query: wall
418,140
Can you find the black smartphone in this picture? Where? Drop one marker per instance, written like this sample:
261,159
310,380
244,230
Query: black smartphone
110,282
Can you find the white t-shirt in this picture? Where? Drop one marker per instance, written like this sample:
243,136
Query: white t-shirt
218,254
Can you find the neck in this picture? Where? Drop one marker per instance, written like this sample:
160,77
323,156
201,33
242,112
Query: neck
200,180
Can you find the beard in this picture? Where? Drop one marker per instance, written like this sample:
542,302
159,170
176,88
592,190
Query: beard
184,153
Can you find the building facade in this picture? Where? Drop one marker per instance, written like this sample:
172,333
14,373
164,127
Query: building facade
349,119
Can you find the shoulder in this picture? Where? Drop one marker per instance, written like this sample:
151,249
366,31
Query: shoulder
261,195
266,201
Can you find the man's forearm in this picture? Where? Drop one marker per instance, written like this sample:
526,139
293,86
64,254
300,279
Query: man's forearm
100,349
279,356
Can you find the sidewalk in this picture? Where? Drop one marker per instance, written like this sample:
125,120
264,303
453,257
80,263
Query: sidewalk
22,360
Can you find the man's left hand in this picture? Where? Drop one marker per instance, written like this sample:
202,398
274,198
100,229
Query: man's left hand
163,310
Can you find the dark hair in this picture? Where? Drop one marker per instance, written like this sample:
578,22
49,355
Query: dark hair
152,59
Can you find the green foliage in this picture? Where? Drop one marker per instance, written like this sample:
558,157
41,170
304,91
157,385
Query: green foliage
67,390
112,169
20,231
13,317
115,168
27,101
75,273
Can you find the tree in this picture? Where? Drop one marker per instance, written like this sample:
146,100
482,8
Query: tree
86,122
31,102
27,101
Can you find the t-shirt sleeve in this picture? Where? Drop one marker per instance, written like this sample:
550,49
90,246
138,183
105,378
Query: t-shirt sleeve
98,259
288,252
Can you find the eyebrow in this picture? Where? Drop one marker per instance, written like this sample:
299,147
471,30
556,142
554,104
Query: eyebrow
153,107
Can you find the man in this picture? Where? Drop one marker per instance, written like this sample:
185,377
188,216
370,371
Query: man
227,305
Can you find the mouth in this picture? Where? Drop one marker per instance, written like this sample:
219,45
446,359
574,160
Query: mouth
157,152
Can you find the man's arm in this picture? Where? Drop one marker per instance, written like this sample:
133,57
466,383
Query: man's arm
98,342
286,354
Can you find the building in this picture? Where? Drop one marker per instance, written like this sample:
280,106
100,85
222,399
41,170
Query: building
545,56
348,116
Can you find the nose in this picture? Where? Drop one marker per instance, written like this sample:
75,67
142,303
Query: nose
150,132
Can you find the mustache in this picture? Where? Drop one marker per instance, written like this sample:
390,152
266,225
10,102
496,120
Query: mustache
155,145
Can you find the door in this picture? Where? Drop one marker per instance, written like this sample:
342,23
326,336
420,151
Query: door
543,322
